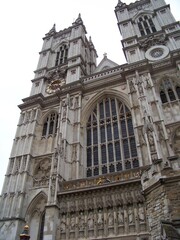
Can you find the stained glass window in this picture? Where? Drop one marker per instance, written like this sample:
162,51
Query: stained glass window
110,138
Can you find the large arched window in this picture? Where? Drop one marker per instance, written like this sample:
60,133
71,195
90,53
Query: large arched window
146,25
50,125
111,145
61,56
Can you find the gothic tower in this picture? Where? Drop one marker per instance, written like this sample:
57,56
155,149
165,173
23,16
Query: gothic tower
96,151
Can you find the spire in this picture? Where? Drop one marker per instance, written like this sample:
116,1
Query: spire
52,30
120,4
78,20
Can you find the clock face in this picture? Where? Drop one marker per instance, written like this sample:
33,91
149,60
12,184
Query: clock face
54,86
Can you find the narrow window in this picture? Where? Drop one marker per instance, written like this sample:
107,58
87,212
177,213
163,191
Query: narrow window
50,125
163,97
171,95
178,91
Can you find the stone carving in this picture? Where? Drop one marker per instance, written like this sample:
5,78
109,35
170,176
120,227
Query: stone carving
108,201
90,221
100,218
110,218
148,129
132,87
72,221
63,223
147,81
160,132
120,215
64,111
58,73
81,221
139,85
152,41
130,215
42,172
141,213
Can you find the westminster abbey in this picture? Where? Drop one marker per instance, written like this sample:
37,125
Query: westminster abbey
96,154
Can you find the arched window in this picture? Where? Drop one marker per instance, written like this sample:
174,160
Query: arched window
146,25
171,95
170,91
50,125
163,97
178,91
111,145
61,56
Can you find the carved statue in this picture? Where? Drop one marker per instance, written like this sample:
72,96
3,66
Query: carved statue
130,215
81,221
120,215
141,213
132,87
110,218
100,217
73,221
90,221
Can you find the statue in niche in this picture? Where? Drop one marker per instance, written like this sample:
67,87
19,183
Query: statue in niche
151,140
100,217
63,223
160,131
148,129
110,218
81,221
64,111
139,84
120,215
148,84
90,221
130,215
141,213
72,222
132,87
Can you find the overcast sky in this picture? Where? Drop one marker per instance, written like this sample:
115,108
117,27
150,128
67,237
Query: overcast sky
22,26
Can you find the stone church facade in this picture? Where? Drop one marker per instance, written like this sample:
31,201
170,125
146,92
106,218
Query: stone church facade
96,151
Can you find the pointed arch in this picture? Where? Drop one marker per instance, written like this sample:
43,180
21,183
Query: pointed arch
35,215
50,124
98,97
110,141
168,88
32,206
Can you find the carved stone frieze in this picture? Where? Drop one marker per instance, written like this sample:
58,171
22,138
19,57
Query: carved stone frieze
152,41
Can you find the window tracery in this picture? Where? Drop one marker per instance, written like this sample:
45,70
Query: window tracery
61,55
170,91
50,125
146,25
111,144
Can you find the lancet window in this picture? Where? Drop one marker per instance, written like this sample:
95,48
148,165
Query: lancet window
169,91
61,55
111,145
146,25
50,125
